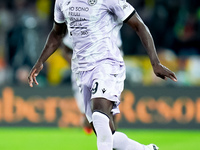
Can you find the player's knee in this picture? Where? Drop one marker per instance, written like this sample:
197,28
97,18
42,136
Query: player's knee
102,105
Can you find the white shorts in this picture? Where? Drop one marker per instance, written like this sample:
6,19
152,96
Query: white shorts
77,94
105,81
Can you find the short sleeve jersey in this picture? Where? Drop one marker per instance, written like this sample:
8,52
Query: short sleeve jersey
93,27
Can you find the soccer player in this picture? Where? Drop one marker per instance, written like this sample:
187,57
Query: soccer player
93,26
67,53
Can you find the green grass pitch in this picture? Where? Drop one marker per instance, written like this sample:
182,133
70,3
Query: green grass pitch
76,139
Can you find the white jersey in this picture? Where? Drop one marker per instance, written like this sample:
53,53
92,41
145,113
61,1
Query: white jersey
93,26
68,41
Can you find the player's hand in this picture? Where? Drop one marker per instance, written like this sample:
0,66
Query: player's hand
33,74
163,72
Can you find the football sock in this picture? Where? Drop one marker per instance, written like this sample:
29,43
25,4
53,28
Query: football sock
122,142
102,128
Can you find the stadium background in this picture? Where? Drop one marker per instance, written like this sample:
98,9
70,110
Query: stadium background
152,110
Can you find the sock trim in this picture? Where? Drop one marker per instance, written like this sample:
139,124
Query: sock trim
101,113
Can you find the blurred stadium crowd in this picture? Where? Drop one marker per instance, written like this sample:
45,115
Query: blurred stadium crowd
174,24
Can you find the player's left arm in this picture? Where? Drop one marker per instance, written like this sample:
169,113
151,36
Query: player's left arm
146,38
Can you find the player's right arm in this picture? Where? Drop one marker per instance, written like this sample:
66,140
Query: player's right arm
53,42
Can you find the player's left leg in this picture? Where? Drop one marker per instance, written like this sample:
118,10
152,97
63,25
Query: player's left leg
122,142
107,84
103,123
107,137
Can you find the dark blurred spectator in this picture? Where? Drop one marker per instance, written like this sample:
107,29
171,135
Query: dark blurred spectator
6,22
23,39
163,19
186,30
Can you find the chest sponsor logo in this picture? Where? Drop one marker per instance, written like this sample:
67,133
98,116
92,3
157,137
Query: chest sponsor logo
92,2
